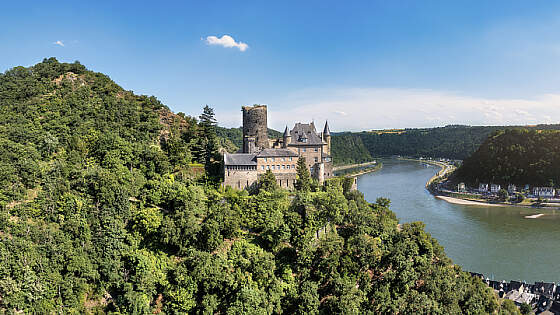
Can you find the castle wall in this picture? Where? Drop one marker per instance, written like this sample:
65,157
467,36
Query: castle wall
255,125
283,168
240,179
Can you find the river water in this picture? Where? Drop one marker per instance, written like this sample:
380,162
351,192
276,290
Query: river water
498,242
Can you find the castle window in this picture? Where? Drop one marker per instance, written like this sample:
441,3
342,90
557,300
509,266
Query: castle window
268,167
283,166
265,159
316,149
272,159
277,167
303,150
273,167
316,159
262,167
290,158
283,159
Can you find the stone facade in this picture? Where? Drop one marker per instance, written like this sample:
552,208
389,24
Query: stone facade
255,128
280,156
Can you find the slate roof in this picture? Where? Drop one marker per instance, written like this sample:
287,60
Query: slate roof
515,285
545,288
276,153
305,131
240,159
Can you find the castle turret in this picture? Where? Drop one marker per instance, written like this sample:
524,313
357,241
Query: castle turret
327,137
287,137
255,127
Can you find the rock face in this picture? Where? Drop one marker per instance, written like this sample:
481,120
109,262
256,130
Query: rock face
254,128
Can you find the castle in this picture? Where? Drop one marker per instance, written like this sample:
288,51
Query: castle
280,156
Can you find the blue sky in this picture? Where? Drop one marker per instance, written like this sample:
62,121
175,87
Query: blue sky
359,64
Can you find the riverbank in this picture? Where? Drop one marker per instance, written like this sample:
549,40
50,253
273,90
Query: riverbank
458,201
376,168
470,202
349,166
354,170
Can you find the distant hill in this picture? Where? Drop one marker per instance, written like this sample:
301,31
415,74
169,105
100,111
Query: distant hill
519,156
453,142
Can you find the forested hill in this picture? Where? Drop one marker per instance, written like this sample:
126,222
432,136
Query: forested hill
518,156
105,208
453,142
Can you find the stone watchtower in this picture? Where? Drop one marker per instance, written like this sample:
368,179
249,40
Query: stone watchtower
255,128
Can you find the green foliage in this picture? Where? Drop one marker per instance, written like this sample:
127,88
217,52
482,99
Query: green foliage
518,156
268,182
303,181
503,194
98,214
508,307
347,148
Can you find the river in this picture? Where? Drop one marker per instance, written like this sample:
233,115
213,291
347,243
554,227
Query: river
498,242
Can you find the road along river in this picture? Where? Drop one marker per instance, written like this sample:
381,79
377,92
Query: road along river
503,243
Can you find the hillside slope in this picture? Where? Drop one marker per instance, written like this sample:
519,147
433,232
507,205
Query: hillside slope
518,156
100,212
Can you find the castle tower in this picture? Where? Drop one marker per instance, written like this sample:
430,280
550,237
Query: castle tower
327,137
287,137
254,126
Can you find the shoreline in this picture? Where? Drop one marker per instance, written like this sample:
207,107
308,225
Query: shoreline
374,166
444,169
466,202
350,166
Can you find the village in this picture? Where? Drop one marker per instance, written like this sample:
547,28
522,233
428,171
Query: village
542,297
512,194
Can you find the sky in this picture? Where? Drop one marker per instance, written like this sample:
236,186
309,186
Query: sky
360,65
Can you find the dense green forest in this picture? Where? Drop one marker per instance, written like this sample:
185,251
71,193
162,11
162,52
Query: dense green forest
452,142
110,203
518,156
346,148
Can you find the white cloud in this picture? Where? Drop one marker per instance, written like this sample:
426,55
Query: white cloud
59,43
226,41
375,108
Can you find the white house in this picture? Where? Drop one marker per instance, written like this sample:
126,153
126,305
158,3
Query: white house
547,192
483,187
512,188
494,188
461,187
